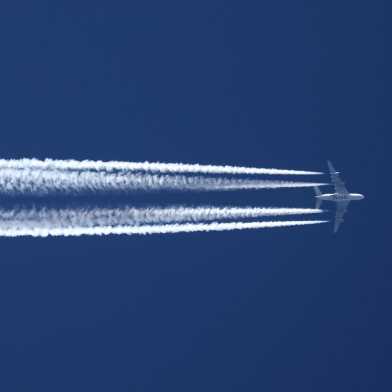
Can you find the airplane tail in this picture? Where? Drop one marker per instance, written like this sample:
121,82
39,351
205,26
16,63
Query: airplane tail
318,193
331,168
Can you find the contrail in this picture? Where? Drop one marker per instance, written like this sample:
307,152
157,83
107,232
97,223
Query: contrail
69,216
151,229
158,167
52,181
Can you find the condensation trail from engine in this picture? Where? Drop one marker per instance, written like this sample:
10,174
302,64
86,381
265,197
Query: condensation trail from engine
157,167
150,229
40,181
36,217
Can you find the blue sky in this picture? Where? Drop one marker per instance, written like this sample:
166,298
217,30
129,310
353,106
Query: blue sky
273,84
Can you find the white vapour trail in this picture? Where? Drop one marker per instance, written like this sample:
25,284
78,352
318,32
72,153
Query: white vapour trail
151,229
41,182
32,217
143,166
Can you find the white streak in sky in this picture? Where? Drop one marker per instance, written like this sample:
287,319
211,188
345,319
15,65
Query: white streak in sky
41,217
151,229
163,168
42,182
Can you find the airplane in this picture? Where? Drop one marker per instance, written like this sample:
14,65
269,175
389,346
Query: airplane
341,197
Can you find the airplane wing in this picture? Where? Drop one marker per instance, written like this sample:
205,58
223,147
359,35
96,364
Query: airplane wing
341,209
336,180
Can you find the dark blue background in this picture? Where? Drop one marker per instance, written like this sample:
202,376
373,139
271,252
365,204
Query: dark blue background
264,83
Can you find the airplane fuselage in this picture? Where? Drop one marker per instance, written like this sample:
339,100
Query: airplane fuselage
340,197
